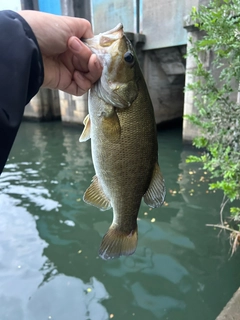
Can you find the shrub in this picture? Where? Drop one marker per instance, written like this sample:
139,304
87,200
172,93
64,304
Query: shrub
218,112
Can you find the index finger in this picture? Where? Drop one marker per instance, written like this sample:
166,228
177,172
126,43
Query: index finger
95,69
81,53
80,27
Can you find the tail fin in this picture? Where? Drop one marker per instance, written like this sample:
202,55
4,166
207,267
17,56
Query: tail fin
116,243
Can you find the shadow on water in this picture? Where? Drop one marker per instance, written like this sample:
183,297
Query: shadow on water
49,238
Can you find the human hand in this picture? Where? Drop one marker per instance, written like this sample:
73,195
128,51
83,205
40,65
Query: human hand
69,64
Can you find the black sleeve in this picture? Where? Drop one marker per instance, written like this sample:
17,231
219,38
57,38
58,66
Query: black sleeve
21,75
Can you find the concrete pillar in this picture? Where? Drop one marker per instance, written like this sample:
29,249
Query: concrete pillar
29,4
67,8
190,131
82,9
164,72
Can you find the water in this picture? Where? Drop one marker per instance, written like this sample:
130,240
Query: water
49,238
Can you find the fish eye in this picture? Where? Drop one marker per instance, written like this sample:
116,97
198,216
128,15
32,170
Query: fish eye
129,57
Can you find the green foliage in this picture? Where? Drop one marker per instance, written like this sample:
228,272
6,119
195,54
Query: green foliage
215,95
235,212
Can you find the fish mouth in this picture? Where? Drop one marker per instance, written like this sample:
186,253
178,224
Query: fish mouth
105,39
118,28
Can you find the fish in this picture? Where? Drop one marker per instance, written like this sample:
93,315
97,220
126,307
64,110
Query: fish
122,129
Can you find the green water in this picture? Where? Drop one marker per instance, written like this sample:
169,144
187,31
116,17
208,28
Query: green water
49,239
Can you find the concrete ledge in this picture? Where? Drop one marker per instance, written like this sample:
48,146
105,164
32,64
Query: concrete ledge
232,309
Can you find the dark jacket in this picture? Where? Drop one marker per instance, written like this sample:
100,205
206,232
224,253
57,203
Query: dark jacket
21,75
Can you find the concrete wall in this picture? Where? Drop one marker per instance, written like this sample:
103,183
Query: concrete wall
162,22
232,309
106,14
161,54
73,109
162,61
44,106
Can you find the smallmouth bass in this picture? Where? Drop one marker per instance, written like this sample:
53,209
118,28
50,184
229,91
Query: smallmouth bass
122,129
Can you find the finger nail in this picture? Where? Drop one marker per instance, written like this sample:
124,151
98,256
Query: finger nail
97,63
76,44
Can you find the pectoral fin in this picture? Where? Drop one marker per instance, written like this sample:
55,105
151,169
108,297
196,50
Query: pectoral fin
154,197
111,127
95,196
86,131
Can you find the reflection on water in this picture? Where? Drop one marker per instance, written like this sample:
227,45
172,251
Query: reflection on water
49,239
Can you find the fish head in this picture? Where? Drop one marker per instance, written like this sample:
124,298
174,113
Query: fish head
118,83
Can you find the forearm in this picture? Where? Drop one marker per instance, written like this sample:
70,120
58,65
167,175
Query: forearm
21,75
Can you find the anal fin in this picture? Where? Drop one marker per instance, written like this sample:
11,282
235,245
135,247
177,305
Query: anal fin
86,134
154,197
95,195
